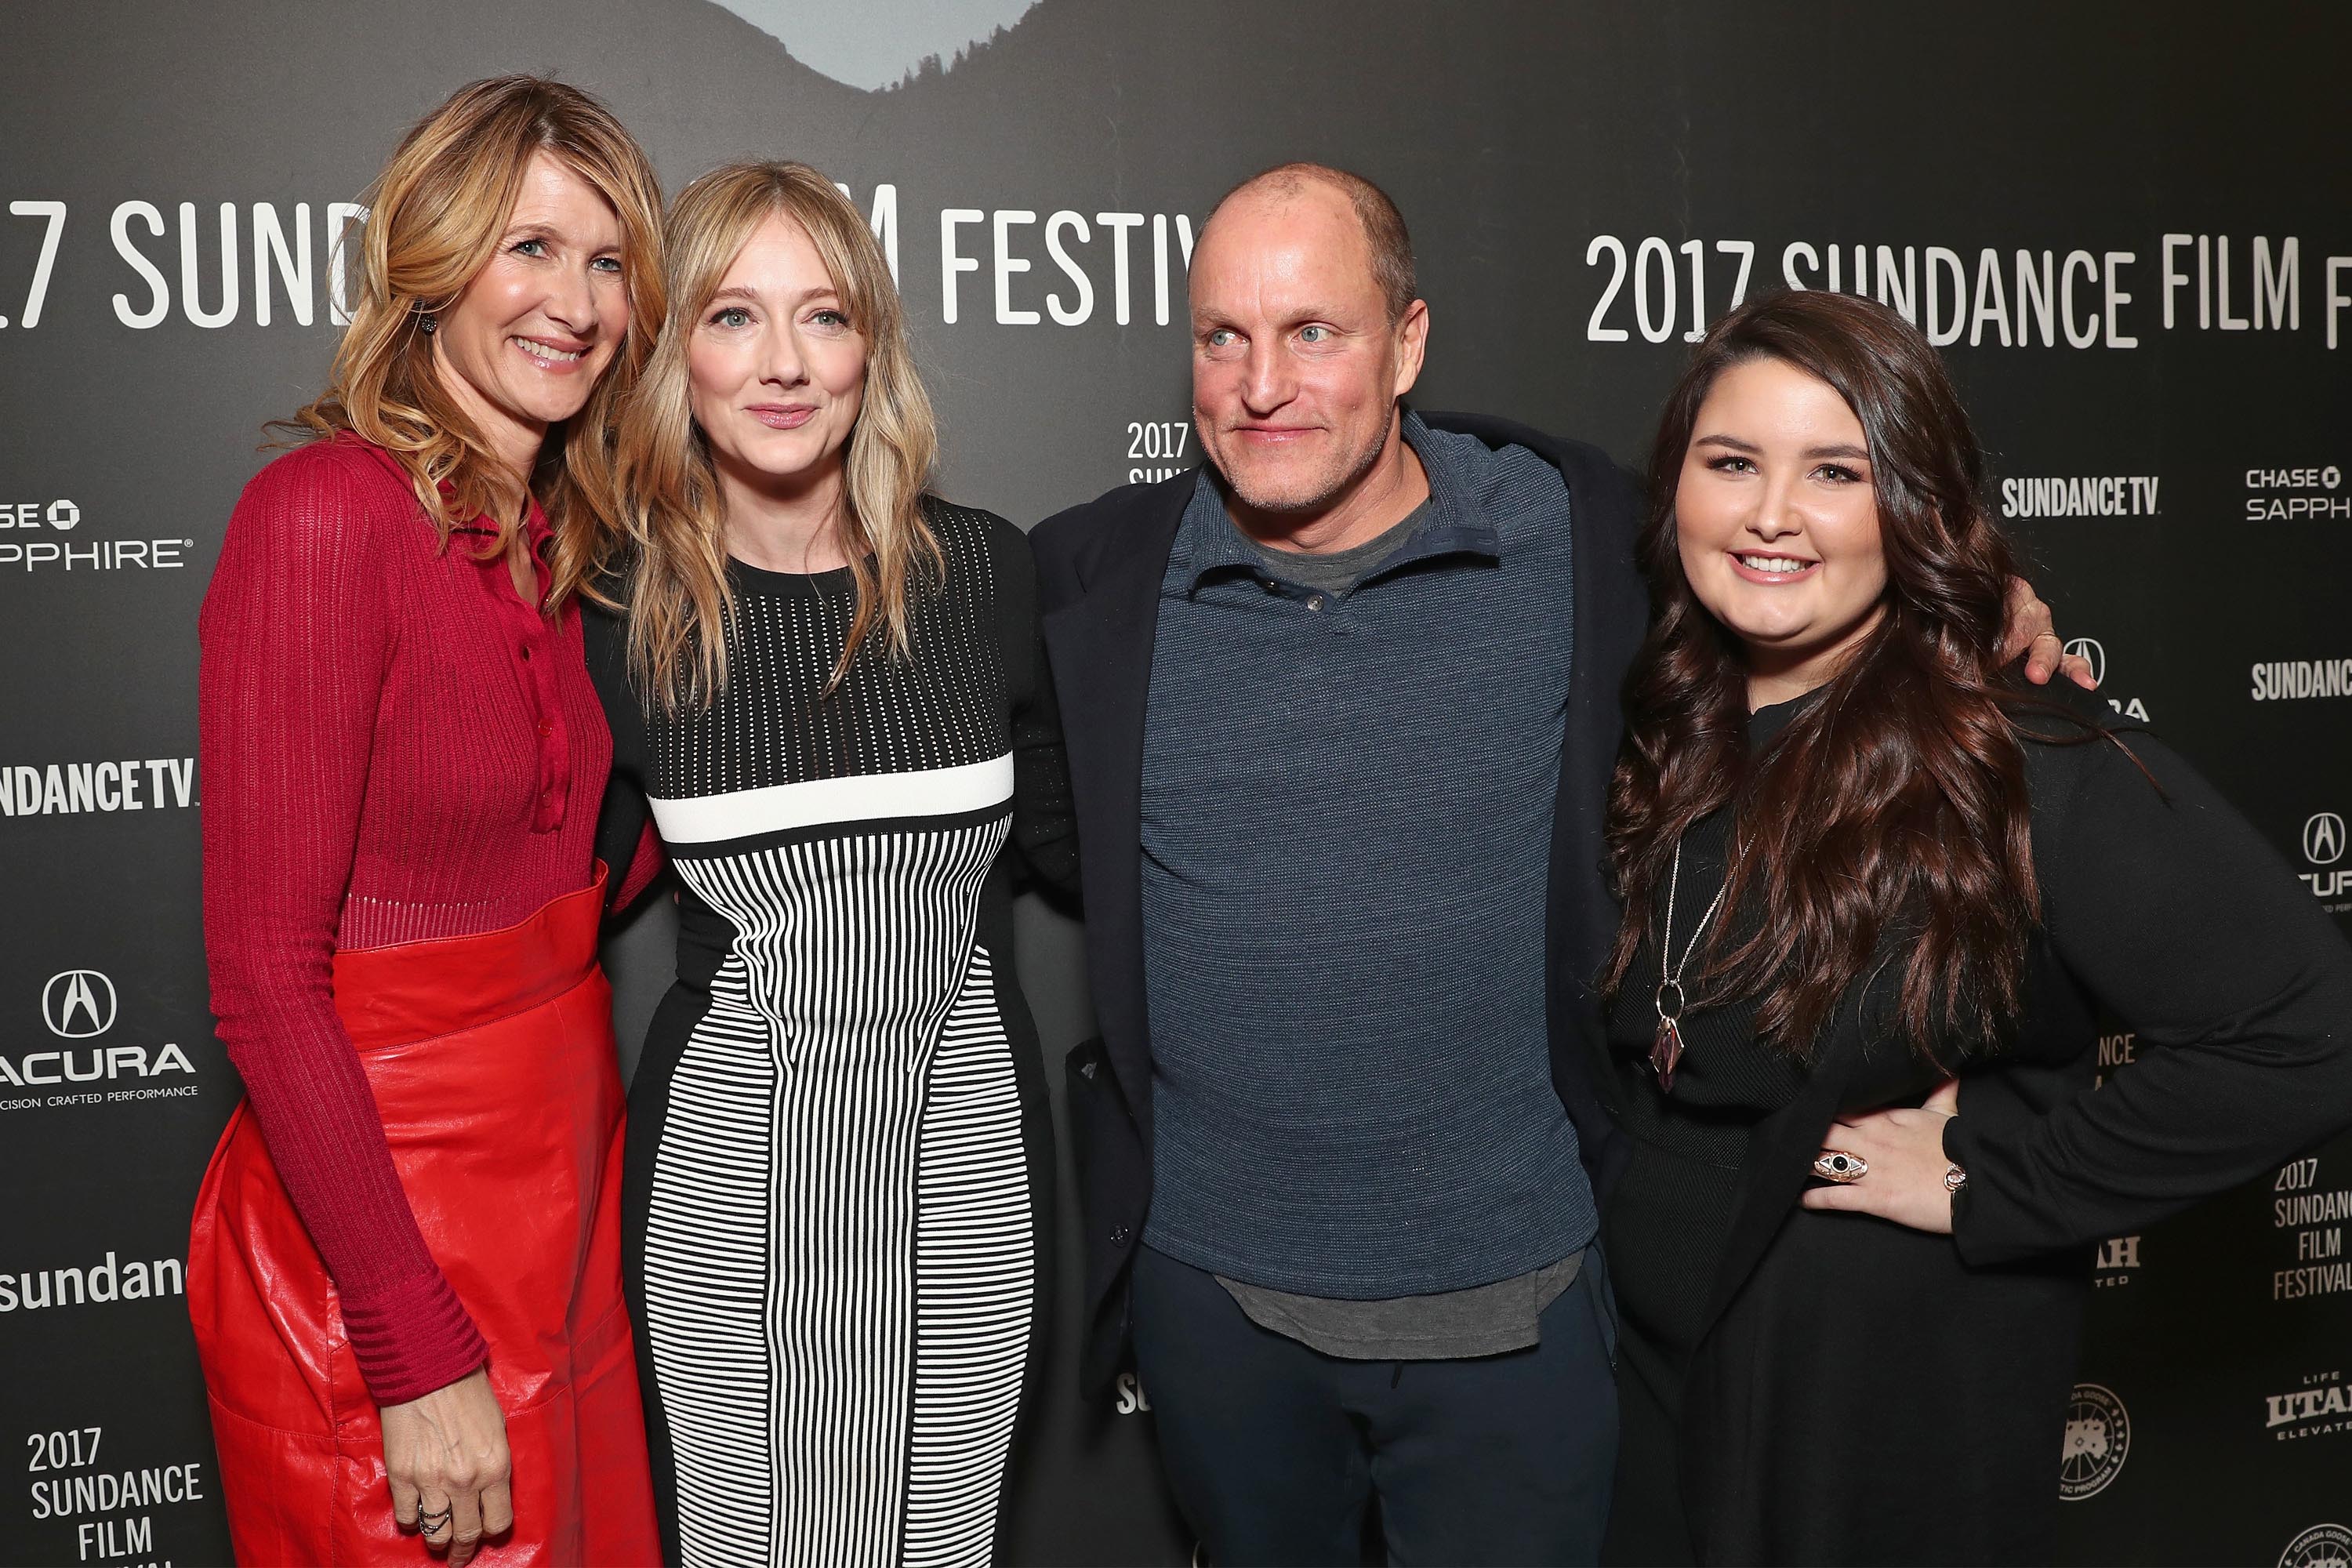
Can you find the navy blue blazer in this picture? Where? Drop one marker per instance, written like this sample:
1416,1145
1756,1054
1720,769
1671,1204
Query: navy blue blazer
1099,568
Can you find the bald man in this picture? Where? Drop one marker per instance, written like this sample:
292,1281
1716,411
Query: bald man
1341,708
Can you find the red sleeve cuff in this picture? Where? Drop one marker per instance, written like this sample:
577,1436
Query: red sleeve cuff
644,865
412,1338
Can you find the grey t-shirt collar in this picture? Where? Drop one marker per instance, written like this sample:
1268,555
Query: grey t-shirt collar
1336,571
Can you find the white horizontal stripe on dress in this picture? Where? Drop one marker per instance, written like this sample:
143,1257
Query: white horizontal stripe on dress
863,797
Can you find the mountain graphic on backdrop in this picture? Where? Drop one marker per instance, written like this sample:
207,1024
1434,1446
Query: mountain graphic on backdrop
890,43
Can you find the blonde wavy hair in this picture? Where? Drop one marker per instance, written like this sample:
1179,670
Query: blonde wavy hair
666,538
434,218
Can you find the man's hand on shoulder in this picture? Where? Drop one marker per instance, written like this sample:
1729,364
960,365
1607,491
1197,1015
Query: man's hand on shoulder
2031,635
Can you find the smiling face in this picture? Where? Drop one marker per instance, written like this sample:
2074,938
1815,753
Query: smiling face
1295,366
1778,523
776,368
526,342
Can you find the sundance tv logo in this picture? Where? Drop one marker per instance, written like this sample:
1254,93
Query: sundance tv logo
80,1004
2101,495
133,784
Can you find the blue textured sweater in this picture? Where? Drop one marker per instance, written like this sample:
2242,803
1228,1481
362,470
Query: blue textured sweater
1347,811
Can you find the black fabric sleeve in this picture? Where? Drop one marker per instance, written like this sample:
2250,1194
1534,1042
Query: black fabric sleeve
622,819
1054,548
2169,908
1045,817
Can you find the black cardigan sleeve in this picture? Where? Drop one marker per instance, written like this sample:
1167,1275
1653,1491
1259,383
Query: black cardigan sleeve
1045,815
622,819
2173,913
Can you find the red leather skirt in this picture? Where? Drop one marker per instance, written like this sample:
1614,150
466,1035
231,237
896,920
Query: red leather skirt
491,1058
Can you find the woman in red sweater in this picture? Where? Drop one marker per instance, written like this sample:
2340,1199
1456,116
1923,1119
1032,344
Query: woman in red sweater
404,1270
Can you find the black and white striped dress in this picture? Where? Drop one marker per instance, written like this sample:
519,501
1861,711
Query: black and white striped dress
839,1147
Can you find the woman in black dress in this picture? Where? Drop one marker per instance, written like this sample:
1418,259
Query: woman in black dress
1875,893
830,688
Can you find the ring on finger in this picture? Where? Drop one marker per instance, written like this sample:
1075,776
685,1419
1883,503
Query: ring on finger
434,1523
1837,1165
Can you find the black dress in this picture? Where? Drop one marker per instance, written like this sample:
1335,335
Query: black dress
839,1154
1804,1386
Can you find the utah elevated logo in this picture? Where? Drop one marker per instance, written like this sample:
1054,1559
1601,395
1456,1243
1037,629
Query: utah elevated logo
77,1004
2098,1440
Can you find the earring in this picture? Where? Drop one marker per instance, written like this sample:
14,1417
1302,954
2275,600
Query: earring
428,325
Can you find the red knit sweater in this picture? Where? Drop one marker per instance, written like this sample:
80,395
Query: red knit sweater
395,746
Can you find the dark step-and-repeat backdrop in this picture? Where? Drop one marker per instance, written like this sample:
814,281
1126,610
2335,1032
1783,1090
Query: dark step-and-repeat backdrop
2129,225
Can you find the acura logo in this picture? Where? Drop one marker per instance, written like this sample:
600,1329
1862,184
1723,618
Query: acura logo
2322,838
77,1004
2088,650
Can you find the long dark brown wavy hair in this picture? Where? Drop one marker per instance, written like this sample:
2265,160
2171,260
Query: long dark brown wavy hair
1893,810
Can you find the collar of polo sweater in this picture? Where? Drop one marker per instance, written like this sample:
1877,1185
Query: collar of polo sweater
1450,524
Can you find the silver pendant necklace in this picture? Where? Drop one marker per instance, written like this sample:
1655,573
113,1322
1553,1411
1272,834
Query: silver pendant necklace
1666,1047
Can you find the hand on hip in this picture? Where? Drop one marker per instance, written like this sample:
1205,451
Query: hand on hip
1891,1164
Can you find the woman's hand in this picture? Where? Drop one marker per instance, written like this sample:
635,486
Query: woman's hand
447,1456
1904,1152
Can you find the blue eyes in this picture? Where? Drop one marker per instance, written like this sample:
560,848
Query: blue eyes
1313,336
536,247
735,318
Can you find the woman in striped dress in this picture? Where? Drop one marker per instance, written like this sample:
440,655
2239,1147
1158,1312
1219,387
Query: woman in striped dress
829,689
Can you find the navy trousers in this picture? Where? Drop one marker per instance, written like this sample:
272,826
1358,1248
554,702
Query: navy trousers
1277,1452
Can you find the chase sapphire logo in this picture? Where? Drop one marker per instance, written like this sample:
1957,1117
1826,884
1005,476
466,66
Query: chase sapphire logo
77,1004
